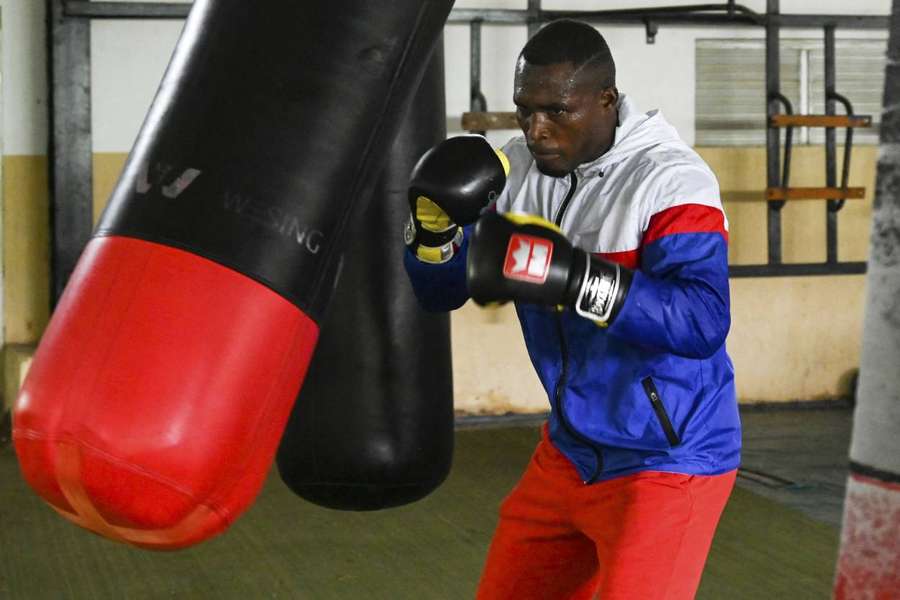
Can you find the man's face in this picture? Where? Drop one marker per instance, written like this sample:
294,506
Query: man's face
565,116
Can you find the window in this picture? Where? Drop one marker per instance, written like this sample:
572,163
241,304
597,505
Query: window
731,86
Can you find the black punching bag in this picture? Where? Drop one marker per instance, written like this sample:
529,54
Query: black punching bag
373,425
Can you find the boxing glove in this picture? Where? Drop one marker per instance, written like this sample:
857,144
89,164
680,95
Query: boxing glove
528,259
448,188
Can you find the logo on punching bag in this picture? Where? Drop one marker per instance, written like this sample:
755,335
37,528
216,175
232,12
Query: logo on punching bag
162,175
275,219
527,258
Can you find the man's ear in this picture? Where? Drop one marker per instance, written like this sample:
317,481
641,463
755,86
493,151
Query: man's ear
609,97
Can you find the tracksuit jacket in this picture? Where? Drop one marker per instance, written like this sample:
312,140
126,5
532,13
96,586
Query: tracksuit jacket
654,390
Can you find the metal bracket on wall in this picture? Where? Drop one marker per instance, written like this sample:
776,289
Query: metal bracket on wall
126,10
70,150
779,190
652,28
729,13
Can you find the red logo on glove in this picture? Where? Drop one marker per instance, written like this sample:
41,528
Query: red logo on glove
527,258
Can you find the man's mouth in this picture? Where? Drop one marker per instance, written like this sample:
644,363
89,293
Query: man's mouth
544,154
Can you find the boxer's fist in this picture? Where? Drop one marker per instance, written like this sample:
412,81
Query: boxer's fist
526,258
448,188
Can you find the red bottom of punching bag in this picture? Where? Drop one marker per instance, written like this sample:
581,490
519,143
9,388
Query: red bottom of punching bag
157,397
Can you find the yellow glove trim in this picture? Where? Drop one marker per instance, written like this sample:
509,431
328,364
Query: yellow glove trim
429,254
504,160
525,219
431,216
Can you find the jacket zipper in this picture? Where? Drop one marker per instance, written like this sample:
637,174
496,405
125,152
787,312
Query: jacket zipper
564,354
660,410
573,183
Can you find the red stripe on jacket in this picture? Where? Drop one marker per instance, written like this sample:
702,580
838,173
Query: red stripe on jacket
685,218
629,259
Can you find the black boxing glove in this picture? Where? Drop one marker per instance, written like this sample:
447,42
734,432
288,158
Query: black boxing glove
448,188
526,258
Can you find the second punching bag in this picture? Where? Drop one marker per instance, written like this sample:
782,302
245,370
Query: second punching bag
154,405
373,426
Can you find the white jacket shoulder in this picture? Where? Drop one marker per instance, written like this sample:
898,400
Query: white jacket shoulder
681,177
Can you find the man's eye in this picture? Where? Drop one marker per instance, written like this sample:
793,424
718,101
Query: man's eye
557,111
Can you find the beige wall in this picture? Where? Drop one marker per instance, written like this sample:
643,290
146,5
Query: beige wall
26,239
107,168
792,338
742,177
26,248
26,255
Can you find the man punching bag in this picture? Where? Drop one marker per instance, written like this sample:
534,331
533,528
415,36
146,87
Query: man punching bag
373,426
155,402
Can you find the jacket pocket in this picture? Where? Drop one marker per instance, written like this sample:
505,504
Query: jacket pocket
660,410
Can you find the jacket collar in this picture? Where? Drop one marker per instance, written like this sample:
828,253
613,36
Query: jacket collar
634,132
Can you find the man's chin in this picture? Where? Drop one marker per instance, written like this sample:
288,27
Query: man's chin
552,170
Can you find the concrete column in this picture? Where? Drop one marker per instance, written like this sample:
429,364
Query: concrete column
869,561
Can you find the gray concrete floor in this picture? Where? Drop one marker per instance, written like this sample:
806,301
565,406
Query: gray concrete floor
793,453
797,456
284,547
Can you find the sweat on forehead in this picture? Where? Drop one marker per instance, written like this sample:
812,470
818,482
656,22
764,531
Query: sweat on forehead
563,76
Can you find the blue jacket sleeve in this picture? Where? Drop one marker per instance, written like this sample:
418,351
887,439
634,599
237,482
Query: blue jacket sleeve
440,287
679,299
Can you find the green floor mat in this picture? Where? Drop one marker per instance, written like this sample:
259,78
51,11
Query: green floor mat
284,547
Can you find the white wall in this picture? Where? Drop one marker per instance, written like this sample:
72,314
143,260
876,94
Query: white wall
24,58
129,58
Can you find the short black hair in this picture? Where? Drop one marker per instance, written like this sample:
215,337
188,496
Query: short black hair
569,41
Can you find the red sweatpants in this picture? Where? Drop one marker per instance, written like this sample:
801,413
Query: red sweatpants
639,537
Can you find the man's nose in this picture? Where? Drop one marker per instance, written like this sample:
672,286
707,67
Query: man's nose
538,127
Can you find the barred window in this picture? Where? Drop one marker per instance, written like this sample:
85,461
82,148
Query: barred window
730,105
